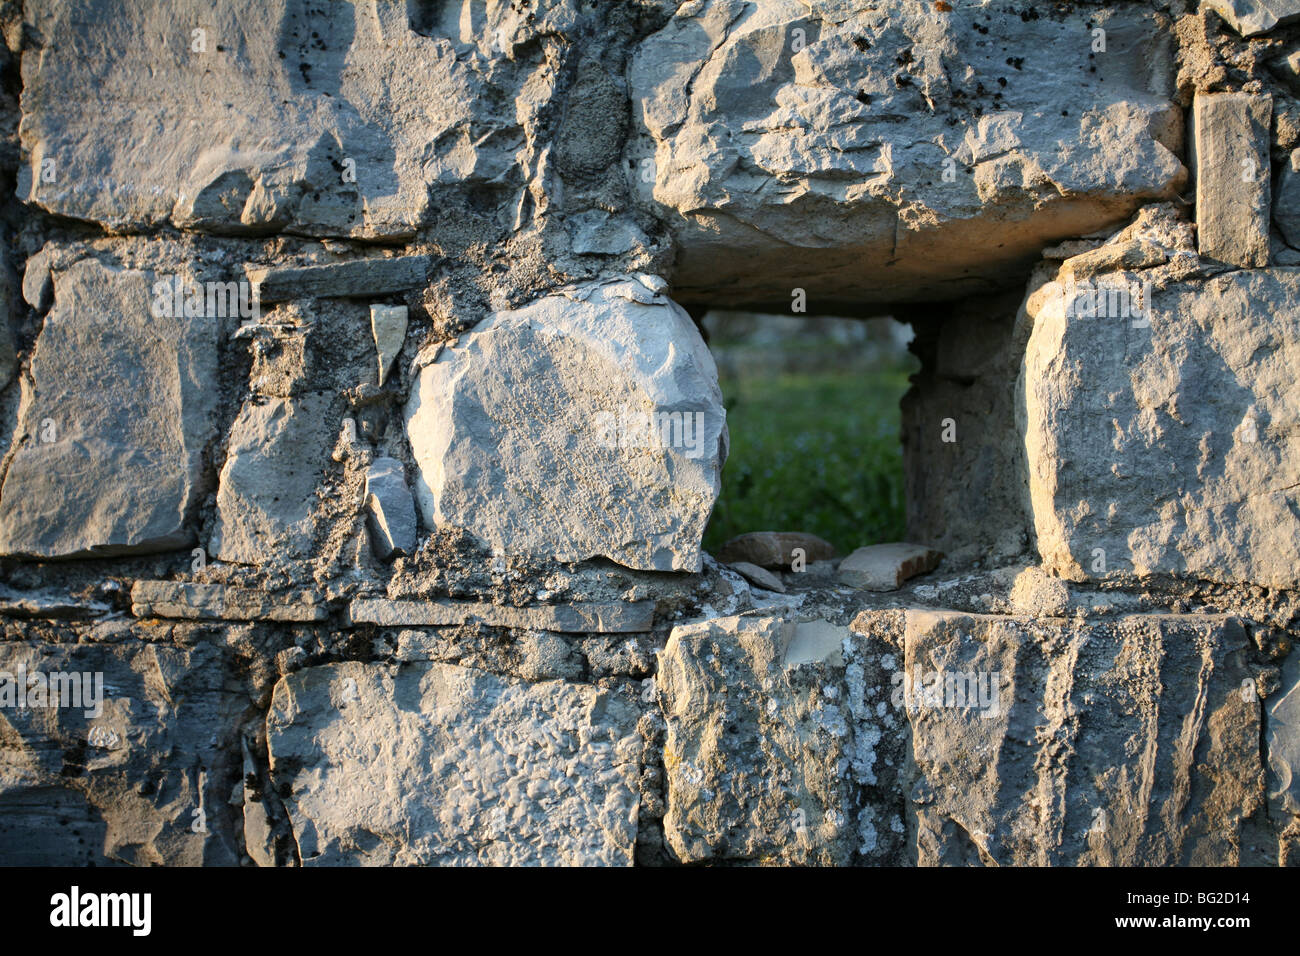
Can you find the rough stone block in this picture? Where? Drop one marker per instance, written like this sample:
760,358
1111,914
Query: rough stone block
587,424
147,781
1233,173
112,431
778,732
1286,204
1127,742
1162,443
276,458
845,156
429,764
1283,742
1253,17
336,118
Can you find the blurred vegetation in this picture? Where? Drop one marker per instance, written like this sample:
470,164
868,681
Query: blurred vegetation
812,408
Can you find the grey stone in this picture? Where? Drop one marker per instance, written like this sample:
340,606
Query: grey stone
780,747
1160,443
430,764
259,828
884,567
1283,741
353,279
391,508
886,153
145,781
776,549
1286,204
1253,17
339,119
962,452
603,234
625,618
1034,592
756,575
1232,170
1115,743
112,430
276,458
38,283
534,431
179,599
388,325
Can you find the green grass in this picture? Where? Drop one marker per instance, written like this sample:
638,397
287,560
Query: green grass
814,452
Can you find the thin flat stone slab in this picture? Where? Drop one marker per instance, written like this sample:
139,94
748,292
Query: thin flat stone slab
433,764
755,575
627,618
340,280
1233,177
884,567
220,602
775,549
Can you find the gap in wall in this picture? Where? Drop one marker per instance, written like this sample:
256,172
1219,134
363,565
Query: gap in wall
813,412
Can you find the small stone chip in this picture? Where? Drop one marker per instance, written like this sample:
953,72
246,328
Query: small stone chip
884,567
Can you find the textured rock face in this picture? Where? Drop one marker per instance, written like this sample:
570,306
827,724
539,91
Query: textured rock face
774,727
276,459
1232,181
114,425
890,152
959,431
1197,399
586,424
1125,743
143,778
325,113
1284,743
430,764
398,560
1253,17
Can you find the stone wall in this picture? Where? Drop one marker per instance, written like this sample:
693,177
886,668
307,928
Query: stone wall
358,439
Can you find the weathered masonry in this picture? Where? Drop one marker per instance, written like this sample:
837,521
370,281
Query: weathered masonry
366,578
